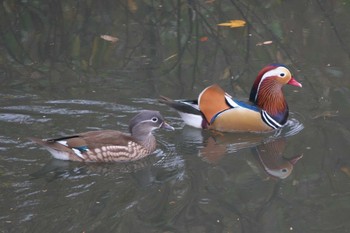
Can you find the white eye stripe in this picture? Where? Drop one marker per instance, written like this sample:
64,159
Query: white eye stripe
153,120
275,72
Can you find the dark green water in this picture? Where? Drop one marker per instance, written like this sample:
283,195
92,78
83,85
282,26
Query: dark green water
59,77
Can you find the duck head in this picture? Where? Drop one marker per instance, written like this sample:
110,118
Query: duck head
267,93
142,125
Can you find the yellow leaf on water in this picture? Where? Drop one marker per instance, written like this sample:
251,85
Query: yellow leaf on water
233,23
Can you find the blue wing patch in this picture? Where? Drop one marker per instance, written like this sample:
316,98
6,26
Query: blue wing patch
82,149
247,105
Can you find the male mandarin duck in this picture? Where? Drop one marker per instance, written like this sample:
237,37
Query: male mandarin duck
109,145
266,110
270,157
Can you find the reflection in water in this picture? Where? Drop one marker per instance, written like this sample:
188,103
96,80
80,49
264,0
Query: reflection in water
53,50
269,149
164,186
57,169
270,157
170,185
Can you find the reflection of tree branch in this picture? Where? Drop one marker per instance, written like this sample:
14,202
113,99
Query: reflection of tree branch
213,32
7,31
196,53
181,47
333,26
247,52
274,37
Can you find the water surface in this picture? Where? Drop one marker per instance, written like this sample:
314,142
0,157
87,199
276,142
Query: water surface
58,77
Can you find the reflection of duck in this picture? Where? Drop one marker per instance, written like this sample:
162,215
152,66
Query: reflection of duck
214,109
56,168
217,146
109,145
270,157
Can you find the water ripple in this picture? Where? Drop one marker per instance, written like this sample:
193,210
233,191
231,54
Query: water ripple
292,127
20,118
106,105
48,110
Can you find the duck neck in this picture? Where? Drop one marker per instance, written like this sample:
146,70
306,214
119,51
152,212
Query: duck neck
144,137
271,99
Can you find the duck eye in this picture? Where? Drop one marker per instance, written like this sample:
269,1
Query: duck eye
154,119
282,74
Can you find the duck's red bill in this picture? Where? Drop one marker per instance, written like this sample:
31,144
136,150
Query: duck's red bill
294,82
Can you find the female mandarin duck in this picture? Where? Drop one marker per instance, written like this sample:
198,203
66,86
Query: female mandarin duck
215,109
109,145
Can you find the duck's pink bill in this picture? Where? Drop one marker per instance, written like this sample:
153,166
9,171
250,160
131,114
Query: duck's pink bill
294,82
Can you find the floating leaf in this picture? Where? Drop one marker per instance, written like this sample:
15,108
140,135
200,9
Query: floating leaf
203,39
233,23
346,170
264,43
109,38
172,56
132,6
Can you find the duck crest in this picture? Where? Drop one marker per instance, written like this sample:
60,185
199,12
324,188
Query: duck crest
255,87
267,94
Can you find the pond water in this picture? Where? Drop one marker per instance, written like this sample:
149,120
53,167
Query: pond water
59,77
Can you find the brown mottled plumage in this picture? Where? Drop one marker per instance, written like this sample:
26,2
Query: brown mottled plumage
109,145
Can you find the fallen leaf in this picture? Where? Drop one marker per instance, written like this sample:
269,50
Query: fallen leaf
346,170
168,58
132,6
264,43
233,23
203,39
109,38
226,74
